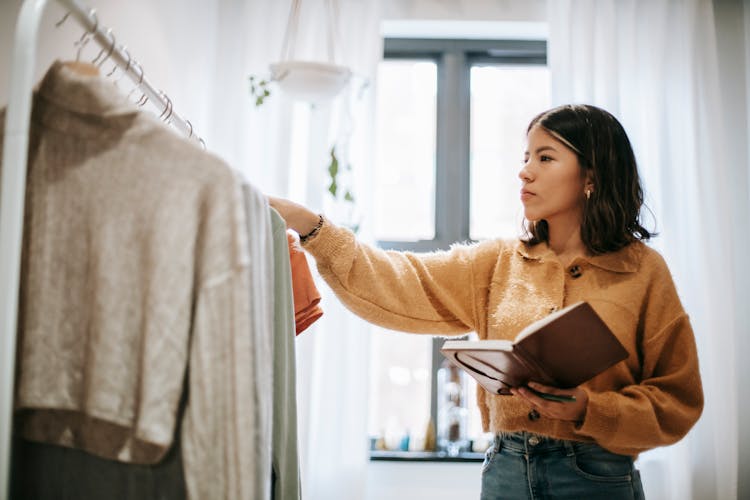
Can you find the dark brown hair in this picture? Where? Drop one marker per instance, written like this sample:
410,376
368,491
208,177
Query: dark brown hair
612,216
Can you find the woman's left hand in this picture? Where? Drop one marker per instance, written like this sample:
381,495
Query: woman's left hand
568,410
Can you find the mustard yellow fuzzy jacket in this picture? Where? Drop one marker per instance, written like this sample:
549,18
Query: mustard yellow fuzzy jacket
497,287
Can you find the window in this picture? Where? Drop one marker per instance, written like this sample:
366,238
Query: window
452,116
405,168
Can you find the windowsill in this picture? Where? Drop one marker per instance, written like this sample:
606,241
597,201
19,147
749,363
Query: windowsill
424,456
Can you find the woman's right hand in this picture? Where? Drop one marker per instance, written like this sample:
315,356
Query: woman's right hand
299,218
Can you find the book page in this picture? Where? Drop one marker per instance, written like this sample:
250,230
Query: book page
477,345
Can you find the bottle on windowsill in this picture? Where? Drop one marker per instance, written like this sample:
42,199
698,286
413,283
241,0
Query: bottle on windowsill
452,409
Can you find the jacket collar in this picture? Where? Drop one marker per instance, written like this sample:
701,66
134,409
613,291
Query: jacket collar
625,260
82,93
82,105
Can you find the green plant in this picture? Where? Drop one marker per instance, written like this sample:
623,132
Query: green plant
333,172
259,90
333,187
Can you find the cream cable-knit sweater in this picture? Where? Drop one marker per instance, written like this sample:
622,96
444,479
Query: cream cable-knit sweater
141,285
498,287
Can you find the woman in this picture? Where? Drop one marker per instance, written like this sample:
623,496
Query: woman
584,241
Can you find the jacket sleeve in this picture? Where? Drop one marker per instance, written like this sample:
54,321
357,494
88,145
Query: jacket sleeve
418,293
668,401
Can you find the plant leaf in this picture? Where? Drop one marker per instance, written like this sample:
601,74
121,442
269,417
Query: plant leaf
333,168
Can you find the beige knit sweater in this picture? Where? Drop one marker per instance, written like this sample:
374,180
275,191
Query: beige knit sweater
140,287
498,287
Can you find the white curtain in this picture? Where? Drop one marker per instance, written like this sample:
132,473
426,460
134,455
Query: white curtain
657,66
284,147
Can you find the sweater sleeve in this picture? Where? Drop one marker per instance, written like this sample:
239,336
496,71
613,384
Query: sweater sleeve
224,416
668,401
420,293
226,427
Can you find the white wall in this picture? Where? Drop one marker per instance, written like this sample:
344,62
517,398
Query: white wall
427,480
151,31
466,10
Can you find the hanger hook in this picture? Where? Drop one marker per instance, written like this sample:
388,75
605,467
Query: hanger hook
81,43
144,98
191,128
62,21
86,36
140,80
140,72
127,66
92,13
111,48
167,113
96,60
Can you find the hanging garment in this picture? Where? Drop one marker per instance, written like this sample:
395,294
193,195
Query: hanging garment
306,296
141,285
49,471
286,472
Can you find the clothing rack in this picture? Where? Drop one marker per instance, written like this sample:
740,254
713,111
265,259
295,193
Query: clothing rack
15,152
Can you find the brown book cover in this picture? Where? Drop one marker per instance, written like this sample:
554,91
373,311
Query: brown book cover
564,349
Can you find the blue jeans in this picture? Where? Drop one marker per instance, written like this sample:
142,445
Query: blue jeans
522,466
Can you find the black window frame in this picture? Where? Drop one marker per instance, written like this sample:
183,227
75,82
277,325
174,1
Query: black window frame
454,59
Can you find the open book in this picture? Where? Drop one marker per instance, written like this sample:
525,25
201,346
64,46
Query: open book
563,349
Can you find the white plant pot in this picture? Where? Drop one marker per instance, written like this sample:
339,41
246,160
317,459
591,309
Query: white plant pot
309,80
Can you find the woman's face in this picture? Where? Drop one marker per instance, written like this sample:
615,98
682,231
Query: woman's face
553,187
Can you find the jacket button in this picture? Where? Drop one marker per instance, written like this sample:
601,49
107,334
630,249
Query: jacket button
534,415
575,271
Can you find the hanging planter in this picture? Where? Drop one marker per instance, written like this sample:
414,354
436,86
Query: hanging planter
315,82
311,81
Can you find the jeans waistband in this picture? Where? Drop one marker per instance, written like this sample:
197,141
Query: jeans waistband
528,442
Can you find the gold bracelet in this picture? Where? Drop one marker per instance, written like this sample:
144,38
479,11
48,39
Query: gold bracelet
305,237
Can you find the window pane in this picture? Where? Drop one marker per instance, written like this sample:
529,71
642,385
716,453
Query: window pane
405,165
503,101
400,366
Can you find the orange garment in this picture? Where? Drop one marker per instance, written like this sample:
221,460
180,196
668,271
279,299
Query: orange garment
306,295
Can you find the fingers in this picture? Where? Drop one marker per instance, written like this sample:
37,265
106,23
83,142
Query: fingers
562,404
280,204
297,217
551,393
